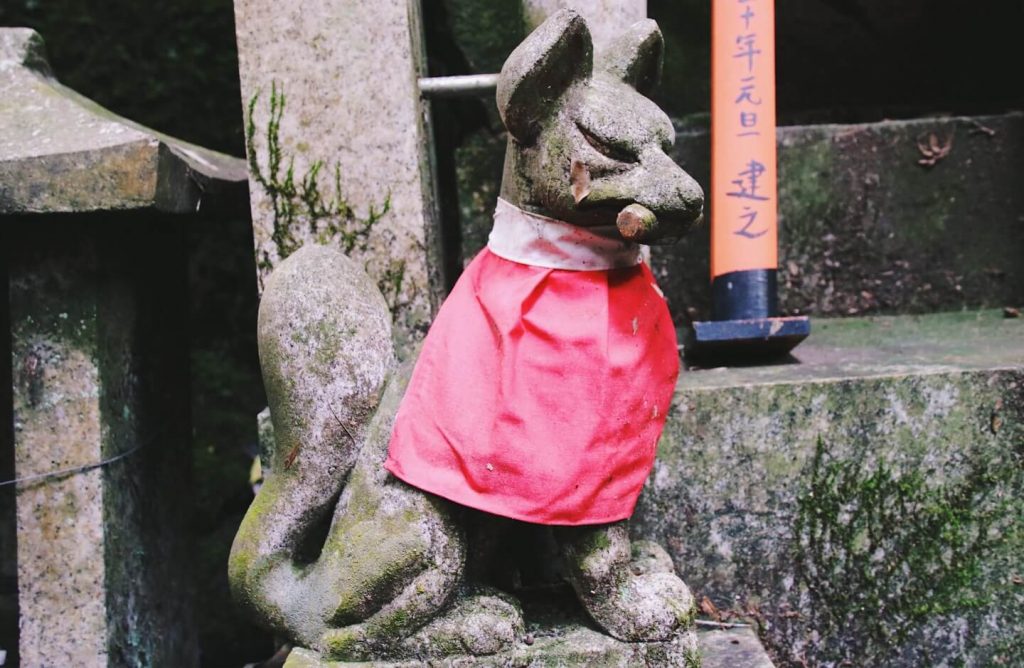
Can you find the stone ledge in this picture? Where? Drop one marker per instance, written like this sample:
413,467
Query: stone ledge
864,504
577,645
881,346
61,152
560,634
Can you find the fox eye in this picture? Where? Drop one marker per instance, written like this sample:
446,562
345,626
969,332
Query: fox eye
615,153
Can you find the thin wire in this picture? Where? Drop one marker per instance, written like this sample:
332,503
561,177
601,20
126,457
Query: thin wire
721,625
74,469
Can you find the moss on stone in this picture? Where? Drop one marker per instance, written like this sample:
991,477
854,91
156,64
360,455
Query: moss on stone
868,502
804,184
379,551
880,552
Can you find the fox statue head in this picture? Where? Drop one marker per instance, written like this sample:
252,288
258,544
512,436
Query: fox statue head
586,146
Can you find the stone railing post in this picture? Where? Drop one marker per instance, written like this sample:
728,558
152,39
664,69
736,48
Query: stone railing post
348,70
95,409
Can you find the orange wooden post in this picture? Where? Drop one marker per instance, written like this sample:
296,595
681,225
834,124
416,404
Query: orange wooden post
743,182
744,212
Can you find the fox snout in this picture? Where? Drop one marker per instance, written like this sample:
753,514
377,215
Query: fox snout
649,201
586,146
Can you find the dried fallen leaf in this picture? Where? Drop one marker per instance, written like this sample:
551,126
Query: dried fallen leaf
933,151
710,609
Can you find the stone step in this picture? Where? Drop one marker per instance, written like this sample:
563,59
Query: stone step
574,643
869,224
863,501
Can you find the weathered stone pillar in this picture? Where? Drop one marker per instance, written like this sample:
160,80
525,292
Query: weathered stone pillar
348,70
605,18
93,260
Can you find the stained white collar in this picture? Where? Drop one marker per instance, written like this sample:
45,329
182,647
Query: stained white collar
529,238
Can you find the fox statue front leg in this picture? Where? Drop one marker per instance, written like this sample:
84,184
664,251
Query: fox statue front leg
629,588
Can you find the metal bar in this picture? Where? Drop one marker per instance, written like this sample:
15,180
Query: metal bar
462,86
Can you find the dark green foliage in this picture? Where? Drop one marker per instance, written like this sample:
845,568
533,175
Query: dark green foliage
227,393
171,66
484,32
330,220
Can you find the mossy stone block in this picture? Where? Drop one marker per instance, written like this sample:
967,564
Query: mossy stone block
864,500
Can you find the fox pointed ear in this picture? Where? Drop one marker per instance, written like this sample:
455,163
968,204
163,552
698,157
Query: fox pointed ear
552,58
636,56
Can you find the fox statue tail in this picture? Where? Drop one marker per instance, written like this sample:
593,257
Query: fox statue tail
326,354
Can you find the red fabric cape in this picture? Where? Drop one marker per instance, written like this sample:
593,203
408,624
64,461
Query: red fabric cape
540,394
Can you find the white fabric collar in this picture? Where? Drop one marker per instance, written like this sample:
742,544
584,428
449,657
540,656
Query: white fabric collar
529,238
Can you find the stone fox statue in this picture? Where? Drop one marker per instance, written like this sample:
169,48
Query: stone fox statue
539,394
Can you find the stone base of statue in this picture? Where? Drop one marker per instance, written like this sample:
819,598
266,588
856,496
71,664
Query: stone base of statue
559,635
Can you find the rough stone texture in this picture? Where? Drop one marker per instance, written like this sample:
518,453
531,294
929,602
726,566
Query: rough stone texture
571,642
732,648
59,523
97,361
631,590
62,152
348,70
864,228
387,579
865,505
569,646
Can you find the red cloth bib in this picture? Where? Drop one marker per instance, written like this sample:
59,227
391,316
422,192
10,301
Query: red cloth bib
540,393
